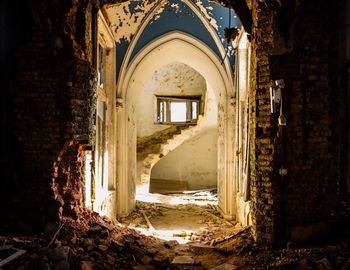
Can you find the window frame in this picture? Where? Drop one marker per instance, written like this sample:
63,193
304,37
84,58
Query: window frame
166,113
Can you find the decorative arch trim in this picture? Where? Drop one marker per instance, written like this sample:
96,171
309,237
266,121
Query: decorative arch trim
184,48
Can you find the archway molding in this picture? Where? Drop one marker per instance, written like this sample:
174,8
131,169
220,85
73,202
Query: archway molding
180,47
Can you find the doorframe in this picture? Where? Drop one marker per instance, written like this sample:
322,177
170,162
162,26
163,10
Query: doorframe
183,48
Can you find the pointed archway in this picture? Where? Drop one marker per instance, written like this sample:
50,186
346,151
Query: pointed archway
181,47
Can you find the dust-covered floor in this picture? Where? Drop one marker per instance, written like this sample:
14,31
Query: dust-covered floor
209,242
186,218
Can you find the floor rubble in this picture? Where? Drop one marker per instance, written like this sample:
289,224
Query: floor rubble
183,237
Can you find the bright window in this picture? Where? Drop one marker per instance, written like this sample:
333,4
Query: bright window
101,65
177,110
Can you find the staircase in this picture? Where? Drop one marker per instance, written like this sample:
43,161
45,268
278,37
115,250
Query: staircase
152,148
153,143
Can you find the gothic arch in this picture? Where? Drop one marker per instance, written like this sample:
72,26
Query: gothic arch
181,47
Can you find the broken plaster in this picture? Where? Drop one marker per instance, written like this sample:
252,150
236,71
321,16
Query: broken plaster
127,17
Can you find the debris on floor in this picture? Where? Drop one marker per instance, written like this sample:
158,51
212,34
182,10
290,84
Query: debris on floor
196,214
95,242
92,242
8,253
198,197
194,223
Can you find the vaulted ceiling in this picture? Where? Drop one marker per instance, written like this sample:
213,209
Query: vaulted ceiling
242,8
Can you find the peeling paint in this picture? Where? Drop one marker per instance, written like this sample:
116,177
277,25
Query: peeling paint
127,17
159,11
122,15
207,13
175,6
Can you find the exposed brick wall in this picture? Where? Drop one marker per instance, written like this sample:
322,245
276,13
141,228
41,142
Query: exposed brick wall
68,181
263,129
68,167
297,44
55,101
313,142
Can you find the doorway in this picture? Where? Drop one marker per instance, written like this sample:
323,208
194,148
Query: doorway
176,120
181,48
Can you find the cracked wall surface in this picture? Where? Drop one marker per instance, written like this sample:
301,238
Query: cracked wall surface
174,79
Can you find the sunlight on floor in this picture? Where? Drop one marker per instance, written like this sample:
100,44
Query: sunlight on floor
185,217
203,197
181,236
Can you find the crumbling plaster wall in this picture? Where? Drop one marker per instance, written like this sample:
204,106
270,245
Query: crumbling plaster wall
132,26
174,79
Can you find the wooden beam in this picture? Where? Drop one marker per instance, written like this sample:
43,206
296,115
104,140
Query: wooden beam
150,226
19,253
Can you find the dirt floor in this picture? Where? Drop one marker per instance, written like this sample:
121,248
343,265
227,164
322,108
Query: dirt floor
185,218
164,236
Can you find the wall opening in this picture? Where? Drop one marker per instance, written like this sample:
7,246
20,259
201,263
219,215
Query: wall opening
177,47
185,151
206,149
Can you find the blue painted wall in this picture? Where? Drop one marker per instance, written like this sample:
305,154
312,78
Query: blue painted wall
178,16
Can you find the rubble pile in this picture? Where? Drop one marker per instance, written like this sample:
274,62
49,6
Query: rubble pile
92,242
95,242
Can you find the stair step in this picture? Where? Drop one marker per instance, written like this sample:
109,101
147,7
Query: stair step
152,148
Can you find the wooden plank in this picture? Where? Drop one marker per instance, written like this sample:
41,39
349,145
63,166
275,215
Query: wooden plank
14,256
150,226
6,247
228,237
55,235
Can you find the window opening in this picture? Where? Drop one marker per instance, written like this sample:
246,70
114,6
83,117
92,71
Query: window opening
101,139
177,110
101,65
194,110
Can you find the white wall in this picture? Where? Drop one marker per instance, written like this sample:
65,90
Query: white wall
195,161
104,201
180,47
173,79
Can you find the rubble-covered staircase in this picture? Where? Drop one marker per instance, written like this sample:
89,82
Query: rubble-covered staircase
152,148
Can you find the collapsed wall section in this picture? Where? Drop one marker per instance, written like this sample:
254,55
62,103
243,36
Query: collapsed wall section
54,97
